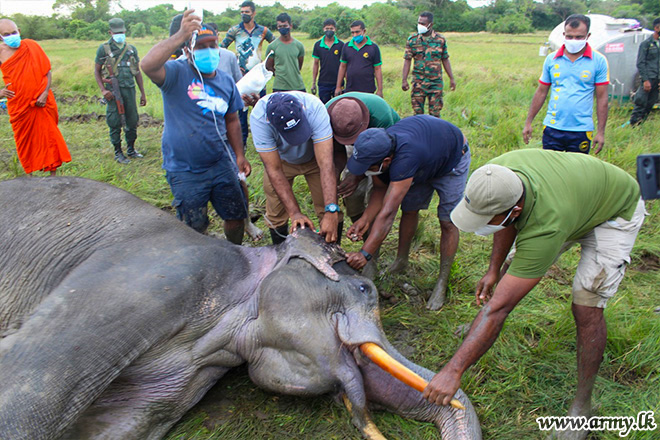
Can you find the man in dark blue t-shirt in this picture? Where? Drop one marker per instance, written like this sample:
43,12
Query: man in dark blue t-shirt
408,161
201,104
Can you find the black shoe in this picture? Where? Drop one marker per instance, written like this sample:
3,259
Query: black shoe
119,157
132,153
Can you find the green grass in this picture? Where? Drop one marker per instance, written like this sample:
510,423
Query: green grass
530,371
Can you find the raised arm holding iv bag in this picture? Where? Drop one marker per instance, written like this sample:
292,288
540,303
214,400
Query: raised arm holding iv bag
256,79
199,12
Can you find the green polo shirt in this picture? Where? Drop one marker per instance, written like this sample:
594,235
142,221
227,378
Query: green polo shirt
566,196
381,114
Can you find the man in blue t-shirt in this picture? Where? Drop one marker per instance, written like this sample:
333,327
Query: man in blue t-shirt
201,104
408,161
572,75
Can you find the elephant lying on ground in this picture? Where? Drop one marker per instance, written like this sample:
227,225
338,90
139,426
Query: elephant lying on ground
115,319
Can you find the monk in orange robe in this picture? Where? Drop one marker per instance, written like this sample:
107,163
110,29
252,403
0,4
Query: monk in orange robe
30,102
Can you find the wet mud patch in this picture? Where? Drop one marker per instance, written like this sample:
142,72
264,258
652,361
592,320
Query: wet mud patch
146,120
79,99
646,262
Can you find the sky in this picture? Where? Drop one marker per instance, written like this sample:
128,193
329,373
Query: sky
44,7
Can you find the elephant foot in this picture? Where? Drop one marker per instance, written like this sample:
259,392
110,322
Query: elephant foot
399,265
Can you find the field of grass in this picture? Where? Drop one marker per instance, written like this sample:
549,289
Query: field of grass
529,372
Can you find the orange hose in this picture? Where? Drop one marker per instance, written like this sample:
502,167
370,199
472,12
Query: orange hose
380,357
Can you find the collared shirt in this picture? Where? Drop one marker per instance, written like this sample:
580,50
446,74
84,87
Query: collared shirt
360,65
381,114
566,196
648,59
428,53
266,138
329,59
248,44
572,86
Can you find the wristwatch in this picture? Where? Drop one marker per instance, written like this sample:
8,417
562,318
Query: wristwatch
332,207
366,254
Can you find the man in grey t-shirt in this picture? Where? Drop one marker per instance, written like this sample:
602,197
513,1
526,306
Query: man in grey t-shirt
293,136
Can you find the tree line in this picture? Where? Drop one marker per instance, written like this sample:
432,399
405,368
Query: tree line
388,23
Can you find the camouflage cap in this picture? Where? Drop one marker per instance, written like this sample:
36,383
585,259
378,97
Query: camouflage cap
117,25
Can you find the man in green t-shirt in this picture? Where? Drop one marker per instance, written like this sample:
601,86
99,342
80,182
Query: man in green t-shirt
546,201
122,59
350,114
287,59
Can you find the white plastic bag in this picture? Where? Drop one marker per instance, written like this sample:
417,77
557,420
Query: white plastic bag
256,79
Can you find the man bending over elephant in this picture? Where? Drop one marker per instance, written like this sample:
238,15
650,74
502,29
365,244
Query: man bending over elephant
530,196
201,104
409,160
292,134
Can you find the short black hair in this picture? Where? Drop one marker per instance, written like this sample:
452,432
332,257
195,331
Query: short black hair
284,17
575,20
329,22
358,23
656,22
428,15
248,4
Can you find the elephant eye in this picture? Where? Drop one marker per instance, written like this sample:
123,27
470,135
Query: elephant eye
364,288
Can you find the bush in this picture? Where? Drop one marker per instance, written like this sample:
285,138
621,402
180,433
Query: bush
139,30
39,28
387,24
97,30
510,24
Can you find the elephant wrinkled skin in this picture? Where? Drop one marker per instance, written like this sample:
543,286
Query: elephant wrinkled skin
115,319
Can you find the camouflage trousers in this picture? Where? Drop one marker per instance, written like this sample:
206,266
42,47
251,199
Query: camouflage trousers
421,93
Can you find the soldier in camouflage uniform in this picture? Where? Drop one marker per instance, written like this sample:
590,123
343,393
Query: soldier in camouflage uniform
429,50
123,59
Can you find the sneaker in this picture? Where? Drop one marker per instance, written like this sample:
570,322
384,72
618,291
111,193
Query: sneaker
119,157
134,154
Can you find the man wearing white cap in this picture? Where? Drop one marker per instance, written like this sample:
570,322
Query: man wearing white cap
546,201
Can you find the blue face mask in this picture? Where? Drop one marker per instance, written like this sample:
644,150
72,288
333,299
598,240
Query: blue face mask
207,60
358,39
119,38
13,41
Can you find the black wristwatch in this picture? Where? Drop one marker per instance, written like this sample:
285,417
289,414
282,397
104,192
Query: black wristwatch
332,207
366,254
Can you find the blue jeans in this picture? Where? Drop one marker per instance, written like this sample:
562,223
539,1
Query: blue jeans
326,92
243,117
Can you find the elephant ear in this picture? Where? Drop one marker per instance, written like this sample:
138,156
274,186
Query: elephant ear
311,247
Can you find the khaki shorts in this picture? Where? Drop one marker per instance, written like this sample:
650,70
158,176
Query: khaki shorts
275,211
605,253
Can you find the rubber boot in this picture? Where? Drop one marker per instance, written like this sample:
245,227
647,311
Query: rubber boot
119,155
279,234
439,295
133,153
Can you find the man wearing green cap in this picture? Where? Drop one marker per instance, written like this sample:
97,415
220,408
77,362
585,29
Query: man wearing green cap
116,58
547,201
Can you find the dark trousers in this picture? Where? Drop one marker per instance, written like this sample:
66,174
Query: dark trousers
326,92
644,102
113,119
243,117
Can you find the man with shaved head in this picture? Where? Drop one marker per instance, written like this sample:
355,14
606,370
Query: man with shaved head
30,102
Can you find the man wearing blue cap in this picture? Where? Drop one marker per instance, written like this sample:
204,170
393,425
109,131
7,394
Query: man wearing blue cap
202,144
293,136
408,161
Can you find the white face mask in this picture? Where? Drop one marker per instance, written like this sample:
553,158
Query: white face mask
574,46
487,230
375,173
421,29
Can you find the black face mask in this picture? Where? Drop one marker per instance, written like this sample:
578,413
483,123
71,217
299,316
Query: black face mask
329,34
284,31
246,18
